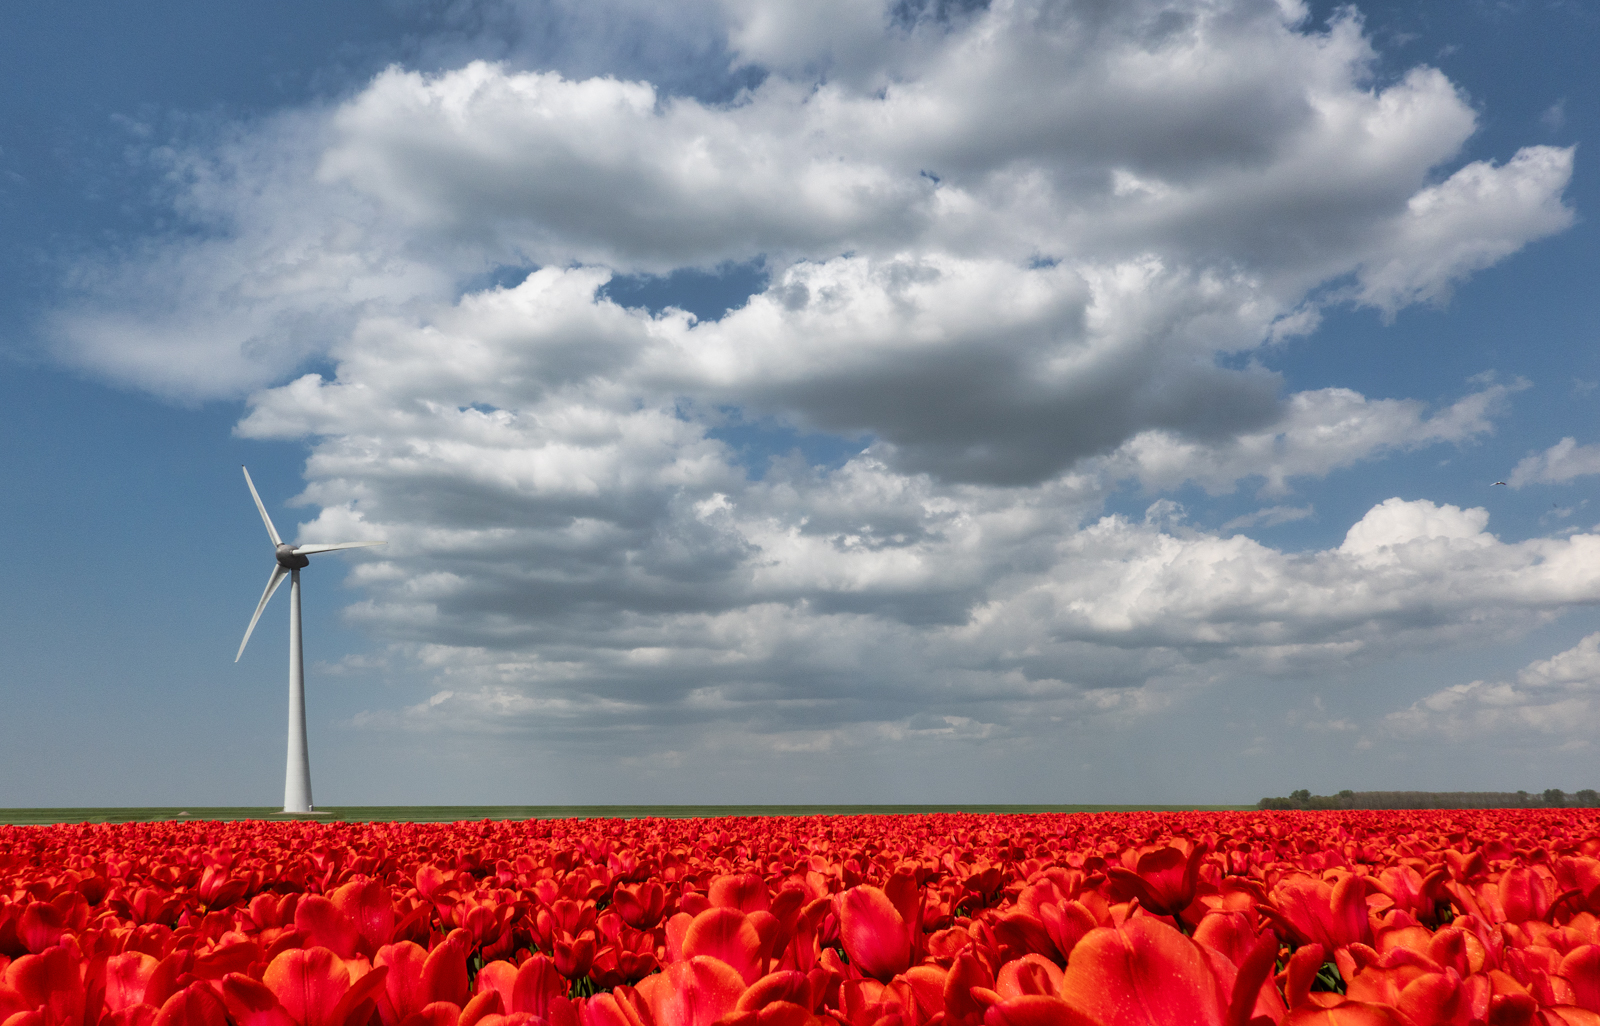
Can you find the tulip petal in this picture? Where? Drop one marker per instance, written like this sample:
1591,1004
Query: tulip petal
366,904
1035,1010
538,985
1581,969
403,990
194,1005
326,926
1347,1013
308,983
695,992
743,891
444,974
874,935
1144,973
728,934
784,985
127,977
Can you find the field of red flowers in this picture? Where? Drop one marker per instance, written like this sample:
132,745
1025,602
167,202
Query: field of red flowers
1247,918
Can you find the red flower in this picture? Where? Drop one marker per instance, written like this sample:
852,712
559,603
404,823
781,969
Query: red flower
640,905
1163,879
418,978
876,930
1143,973
314,986
729,935
1314,912
195,1005
695,992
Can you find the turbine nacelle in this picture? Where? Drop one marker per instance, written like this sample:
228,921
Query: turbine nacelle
290,558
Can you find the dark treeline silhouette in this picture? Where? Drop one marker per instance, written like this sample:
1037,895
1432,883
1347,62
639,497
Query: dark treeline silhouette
1553,798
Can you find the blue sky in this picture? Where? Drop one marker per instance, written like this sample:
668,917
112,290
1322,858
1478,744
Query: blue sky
882,402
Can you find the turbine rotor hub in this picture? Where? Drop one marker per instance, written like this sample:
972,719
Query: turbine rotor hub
289,559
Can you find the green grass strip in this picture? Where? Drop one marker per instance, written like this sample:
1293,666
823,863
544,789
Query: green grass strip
459,813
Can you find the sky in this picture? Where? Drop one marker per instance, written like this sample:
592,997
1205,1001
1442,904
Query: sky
865,401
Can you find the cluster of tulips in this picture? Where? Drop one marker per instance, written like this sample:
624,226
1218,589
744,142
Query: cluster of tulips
1232,919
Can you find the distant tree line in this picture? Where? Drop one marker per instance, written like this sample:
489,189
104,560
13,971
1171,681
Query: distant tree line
1553,798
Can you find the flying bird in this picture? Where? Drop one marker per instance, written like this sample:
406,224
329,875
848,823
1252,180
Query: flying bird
1497,483
288,562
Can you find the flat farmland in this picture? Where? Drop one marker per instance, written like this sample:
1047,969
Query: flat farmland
461,813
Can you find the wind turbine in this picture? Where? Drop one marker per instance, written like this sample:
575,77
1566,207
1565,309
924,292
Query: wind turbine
290,560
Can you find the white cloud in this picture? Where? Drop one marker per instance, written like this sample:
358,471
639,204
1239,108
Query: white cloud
1211,164
660,586
1318,432
1577,665
271,271
1471,220
1561,462
1023,252
1271,516
1552,699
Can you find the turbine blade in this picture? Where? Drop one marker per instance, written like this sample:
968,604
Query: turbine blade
311,550
272,532
278,574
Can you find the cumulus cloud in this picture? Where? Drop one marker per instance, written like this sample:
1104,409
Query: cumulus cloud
1561,462
1318,432
1467,222
1212,163
1554,700
568,566
1015,308
268,275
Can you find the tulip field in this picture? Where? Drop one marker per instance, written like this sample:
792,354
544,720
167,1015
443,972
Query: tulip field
1237,918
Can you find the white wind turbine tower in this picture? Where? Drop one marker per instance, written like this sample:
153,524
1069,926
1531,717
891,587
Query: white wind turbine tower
290,560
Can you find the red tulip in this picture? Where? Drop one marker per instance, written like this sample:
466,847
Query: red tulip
195,1005
1031,974
122,925
1444,999
49,982
324,925
610,1010
785,985
315,987
875,934
536,986
251,1003
729,935
40,926
574,957
968,975
1143,973
640,905
1164,879
777,1013
1523,894
1067,924
1017,933
745,892
1315,912
695,992
365,902
418,978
